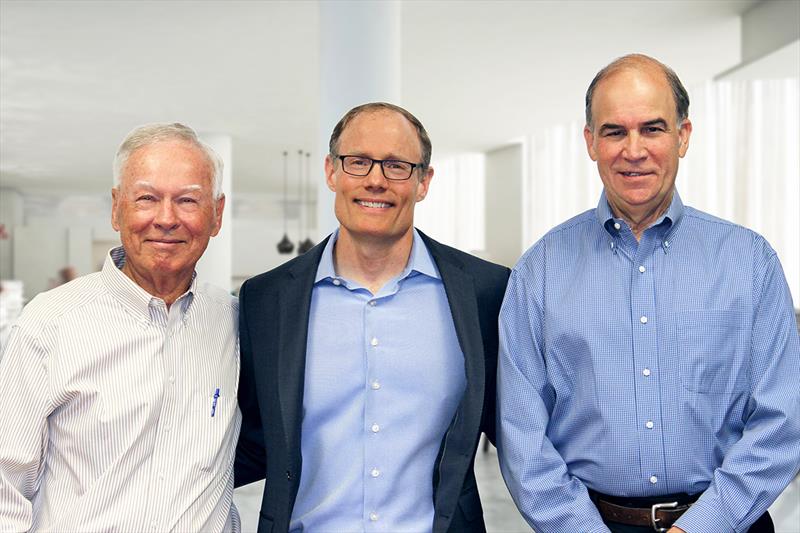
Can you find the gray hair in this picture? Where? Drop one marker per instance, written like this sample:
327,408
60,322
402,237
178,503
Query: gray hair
679,93
148,134
424,141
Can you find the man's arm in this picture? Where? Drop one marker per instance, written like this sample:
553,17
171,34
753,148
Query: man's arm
546,494
24,408
764,461
250,462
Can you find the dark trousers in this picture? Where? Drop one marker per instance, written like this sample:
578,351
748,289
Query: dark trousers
762,525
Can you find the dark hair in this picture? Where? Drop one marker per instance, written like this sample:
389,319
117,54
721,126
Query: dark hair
632,60
424,140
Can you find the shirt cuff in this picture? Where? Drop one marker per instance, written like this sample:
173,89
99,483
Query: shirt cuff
704,517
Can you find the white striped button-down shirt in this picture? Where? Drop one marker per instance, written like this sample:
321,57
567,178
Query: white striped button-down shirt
118,414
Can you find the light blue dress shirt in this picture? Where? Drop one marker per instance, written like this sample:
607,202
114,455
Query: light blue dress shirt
384,376
646,368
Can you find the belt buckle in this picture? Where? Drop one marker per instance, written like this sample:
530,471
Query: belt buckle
654,509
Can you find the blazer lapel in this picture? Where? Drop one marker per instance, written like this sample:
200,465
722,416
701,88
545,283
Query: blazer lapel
295,302
460,291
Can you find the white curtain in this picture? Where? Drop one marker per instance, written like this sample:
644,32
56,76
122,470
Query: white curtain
453,211
743,165
744,162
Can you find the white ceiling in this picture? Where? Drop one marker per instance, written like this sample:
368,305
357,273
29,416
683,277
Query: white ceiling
75,76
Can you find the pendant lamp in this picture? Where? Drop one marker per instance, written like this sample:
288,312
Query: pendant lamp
307,244
285,246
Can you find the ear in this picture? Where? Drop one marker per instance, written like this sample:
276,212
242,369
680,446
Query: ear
115,200
219,205
683,135
588,136
424,183
330,170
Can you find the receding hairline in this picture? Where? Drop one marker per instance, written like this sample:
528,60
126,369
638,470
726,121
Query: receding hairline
209,163
382,111
639,63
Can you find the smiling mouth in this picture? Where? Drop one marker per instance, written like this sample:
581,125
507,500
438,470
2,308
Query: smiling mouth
165,241
377,205
635,174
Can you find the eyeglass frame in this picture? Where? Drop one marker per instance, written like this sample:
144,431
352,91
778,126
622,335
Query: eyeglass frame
414,166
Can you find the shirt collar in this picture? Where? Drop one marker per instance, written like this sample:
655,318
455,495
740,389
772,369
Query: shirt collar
671,216
419,260
130,294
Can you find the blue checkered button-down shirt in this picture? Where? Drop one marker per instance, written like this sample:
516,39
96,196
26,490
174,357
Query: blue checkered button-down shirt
642,368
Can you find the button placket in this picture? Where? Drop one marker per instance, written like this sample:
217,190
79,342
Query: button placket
645,331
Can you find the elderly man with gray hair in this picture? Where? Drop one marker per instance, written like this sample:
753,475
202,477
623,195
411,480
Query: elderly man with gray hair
118,389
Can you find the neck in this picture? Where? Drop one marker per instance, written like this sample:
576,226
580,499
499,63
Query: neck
640,221
371,262
168,288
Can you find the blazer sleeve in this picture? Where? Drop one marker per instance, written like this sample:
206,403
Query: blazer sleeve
490,298
250,462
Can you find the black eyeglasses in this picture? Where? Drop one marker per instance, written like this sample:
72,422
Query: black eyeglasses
392,169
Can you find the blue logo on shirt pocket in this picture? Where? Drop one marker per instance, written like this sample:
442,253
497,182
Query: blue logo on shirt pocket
713,351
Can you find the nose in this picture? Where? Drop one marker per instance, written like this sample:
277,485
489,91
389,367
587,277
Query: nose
166,218
634,148
375,179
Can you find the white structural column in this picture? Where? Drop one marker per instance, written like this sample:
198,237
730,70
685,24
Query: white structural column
359,63
216,264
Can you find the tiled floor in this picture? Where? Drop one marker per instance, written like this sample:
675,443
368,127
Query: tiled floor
499,510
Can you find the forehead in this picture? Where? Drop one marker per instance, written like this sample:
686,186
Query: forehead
384,131
633,94
168,162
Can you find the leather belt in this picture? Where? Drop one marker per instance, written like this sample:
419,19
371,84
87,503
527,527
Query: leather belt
659,516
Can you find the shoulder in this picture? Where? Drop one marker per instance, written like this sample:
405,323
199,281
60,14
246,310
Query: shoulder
718,232
475,266
566,239
218,297
62,302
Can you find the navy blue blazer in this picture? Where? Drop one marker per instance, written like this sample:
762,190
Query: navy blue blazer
273,329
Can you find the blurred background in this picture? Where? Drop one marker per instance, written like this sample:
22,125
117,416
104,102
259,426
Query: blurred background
499,85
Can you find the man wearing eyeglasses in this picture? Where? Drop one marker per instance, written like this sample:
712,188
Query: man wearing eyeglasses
369,362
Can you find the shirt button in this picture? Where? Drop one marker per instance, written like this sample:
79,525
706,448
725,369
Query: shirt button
612,245
161,476
375,385
375,428
374,341
649,424
616,225
337,282
373,517
172,379
642,269
643,320
372,303
666,244
375,472
653,480
646,372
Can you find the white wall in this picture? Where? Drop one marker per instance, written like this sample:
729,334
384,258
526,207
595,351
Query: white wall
11,209
504,173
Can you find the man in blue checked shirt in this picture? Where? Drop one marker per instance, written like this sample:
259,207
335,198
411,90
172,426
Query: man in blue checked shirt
647,375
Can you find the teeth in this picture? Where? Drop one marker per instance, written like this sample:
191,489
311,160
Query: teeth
373,204
633,173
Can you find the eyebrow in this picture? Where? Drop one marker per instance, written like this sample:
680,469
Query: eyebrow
655,122
185,189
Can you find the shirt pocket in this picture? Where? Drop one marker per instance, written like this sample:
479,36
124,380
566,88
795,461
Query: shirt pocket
713,351
211,432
